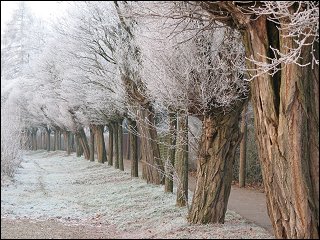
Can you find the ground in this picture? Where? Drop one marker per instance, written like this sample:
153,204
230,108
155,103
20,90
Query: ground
59,196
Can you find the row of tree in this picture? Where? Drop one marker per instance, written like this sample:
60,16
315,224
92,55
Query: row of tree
155,64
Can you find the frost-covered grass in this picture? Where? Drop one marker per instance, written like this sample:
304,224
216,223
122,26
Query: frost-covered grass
53,185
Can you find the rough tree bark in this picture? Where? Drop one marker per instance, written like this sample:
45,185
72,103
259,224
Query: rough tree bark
243,148
168,186
182,160
286,109
152,165
287,122
219,140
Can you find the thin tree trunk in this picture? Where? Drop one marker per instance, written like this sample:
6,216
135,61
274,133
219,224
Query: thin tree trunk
133,147
91,145
116,145
219,140
78,145
100,144
169,167
182,160
110,160
55,140
84,143
128,147
152,166
243,148
120,142
59,140
48,139
44,140
72,142
67,142
34,138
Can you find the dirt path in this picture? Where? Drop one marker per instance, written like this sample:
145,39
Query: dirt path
50,229
249,203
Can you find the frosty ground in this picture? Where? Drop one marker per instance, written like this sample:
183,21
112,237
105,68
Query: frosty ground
54,195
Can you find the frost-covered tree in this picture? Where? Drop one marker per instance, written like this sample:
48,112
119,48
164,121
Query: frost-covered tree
20,44
281,42
200,73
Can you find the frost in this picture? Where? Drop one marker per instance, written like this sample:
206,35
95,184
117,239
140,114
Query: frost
51,185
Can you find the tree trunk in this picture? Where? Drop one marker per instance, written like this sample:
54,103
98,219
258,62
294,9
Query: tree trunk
243,148
67,142
128,147
34,138
59,140
91,144
182,160
101,148
120,142
110,160
152,166
219,140
116,145
169,166
133,147
48,139
84,143
44,141
286,108
79,150
72,142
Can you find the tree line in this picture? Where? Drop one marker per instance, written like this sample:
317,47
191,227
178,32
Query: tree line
155,64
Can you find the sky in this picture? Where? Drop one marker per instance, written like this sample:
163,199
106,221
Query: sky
42,9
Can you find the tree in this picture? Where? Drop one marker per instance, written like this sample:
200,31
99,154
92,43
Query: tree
243,149
203,78
282,47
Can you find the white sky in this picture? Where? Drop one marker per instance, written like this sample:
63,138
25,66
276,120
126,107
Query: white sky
43,9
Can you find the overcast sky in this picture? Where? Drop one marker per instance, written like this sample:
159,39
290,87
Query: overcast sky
43,9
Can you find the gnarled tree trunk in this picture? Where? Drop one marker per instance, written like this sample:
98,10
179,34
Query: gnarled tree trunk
286,109
152,165
219,140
